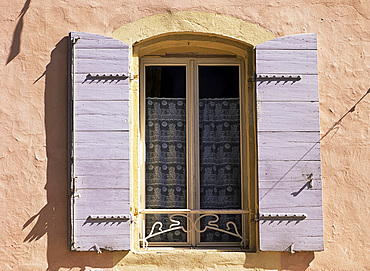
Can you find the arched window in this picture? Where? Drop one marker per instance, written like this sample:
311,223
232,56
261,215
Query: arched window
193,115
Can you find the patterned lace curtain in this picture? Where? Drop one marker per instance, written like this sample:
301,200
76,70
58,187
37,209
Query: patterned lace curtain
219,153
166,162
165,168
219,138
165,153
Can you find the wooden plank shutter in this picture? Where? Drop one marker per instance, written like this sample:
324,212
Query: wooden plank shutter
100,198
288,138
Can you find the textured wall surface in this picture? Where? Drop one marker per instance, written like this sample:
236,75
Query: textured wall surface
33,121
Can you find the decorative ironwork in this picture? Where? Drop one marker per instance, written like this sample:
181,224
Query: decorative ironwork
157,227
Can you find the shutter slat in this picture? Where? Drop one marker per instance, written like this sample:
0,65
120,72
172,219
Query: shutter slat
100,168
268,171
101,151
306,228
101,202
99,123
101,107
287,116
107,137
306,235
288,151
94,92
102,54
291,61
105,66
288,146
103,242
88,229
288,135
288,90
100,182
295,185
285,198
296,42
100,143
99,44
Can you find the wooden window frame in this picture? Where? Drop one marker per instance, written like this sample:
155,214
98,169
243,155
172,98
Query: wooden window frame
192,140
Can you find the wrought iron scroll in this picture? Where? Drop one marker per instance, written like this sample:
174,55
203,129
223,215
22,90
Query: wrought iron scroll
231,227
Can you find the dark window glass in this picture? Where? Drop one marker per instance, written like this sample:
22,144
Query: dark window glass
218,82
165,81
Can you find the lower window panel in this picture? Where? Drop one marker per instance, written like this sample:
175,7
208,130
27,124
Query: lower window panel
208,228
158,228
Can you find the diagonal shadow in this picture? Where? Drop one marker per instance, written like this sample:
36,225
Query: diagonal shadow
41,226
334,126
16,43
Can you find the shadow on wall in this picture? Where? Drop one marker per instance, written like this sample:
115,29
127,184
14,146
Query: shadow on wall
16,43
297,261
53,219
278,260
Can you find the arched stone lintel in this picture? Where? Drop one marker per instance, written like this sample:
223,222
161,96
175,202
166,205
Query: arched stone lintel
192,22
186,42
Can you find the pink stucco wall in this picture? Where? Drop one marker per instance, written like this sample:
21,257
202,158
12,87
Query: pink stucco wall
33,122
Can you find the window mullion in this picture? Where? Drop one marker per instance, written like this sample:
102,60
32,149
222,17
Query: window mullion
196,143
193,143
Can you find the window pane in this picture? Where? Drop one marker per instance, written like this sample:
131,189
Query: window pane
165,139
218,82
219,139
165,81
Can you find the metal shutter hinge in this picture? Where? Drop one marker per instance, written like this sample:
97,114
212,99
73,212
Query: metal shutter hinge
110,217
106,77
277,78
281,216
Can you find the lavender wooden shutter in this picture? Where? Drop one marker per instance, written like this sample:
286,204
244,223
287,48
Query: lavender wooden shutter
288,135
99,110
